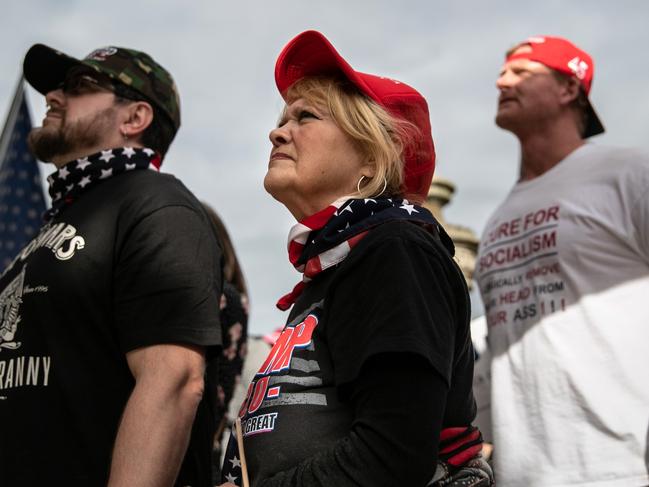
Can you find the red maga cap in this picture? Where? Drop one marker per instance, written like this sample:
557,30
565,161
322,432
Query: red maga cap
563,56
311,54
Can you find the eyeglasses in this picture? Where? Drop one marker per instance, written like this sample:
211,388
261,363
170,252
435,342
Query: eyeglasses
83,84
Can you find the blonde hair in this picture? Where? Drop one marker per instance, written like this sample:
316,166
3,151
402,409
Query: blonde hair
379,136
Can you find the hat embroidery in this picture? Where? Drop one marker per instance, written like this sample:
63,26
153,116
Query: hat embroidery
102,53
578,66
390,79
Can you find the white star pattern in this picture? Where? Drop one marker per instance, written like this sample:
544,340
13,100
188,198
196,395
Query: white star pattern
106,155
84,181
128,152
409,208
57,196
64,173
231,478
82,163
69,187
348,208
148,151
369,199
235,462
343,229
106,173
50,180
130,167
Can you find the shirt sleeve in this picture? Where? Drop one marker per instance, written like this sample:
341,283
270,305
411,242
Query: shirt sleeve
400,296
168,281
391,442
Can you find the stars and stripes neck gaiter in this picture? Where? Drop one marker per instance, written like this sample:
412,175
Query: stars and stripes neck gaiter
324,239
79,175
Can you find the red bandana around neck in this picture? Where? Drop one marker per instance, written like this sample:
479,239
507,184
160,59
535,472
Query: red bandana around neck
325,238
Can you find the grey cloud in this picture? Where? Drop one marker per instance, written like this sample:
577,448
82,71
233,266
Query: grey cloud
222,56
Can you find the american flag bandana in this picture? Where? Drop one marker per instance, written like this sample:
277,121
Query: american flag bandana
324,239
76,177
460,463
458,445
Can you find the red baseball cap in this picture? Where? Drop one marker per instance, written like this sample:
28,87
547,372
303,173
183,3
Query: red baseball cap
311,54
563,56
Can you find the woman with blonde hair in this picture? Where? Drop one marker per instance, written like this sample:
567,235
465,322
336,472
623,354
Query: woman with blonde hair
369,383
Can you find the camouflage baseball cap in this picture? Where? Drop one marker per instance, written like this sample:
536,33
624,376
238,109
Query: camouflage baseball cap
45,69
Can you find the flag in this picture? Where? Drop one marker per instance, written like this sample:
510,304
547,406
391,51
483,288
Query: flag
231,469
22,200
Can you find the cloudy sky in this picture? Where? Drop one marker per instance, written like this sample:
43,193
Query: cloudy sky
222,56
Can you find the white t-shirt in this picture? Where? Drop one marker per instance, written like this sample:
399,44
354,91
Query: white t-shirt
482,378
563,269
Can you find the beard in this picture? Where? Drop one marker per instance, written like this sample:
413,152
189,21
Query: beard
48,142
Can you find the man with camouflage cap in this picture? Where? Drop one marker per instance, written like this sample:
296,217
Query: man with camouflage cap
108,313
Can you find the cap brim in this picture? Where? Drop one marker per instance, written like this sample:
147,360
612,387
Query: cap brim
311,54
45,68
594,125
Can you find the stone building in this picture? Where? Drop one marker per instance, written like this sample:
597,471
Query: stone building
465,240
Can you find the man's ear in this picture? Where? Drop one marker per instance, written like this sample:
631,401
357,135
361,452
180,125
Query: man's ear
570,90
137,116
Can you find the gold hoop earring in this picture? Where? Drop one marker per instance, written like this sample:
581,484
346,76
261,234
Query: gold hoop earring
358,185
385,185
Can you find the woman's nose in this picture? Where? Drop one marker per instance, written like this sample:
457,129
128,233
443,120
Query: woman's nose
279,136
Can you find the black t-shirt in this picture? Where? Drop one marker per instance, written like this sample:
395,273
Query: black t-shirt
397,294
133,262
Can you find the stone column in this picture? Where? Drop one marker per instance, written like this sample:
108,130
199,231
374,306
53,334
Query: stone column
465,240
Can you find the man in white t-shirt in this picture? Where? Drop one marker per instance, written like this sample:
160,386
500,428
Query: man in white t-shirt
563,269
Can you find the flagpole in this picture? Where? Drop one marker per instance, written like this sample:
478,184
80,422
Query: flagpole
5,138
242,454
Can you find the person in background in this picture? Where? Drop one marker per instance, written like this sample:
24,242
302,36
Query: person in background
107,315
224,370
369,383
563,268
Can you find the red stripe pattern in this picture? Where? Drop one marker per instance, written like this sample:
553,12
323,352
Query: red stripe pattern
459,445
324,239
